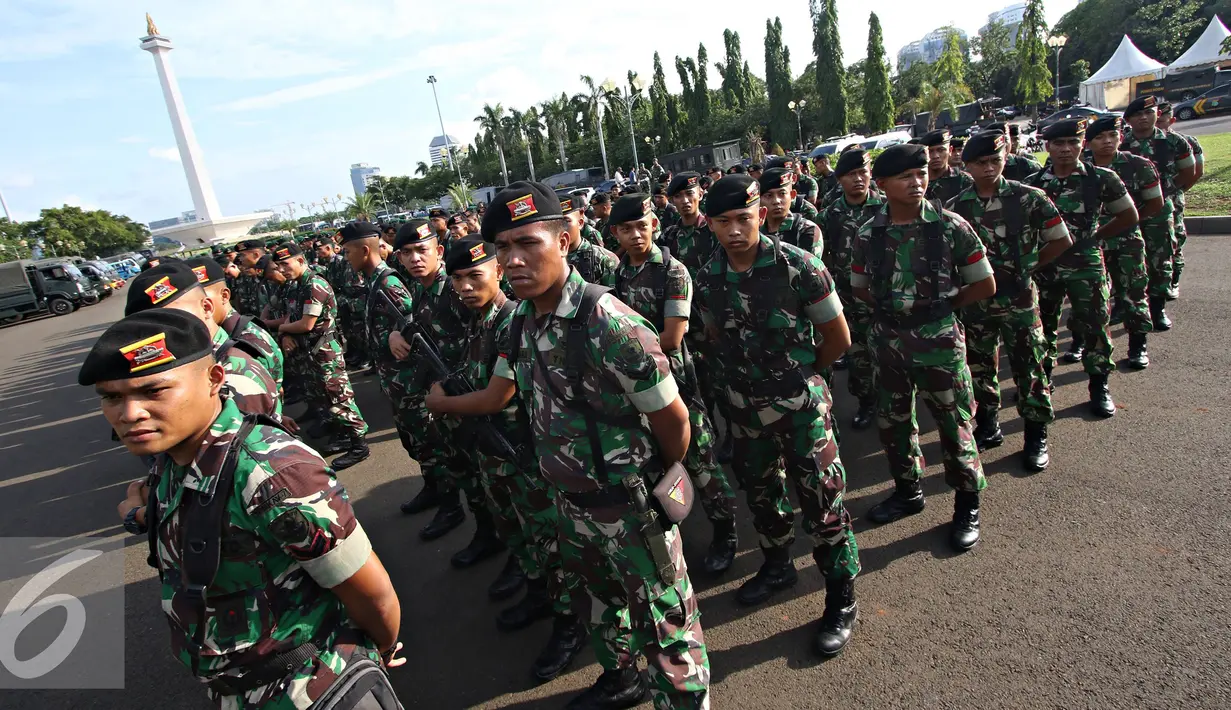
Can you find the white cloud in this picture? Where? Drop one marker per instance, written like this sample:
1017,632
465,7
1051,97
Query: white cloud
171,154
77,201
312,90
132,139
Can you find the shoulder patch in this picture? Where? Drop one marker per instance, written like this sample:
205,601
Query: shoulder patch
290,527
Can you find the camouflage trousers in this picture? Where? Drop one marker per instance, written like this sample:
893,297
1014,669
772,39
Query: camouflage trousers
1181,236
989,322
628,608
327,387
351,317
463,465
1125,257
931,361
860,365
806,451
1160,254
418,430
715,491
1088,294
302,687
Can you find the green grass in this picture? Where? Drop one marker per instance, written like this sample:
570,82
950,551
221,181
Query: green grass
1212,195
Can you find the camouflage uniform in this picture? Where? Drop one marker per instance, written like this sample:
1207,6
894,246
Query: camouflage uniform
1159,230
668,216
842,222
254,390
918,343
805,209
319,354
761,323
1019,166
948,185
610,243
1079,272
247,295
292,536
595,263
637,287
799,231
628,607
808,187
590,234
1125,253
260,341
826,184
1181,233
1012,315
351,291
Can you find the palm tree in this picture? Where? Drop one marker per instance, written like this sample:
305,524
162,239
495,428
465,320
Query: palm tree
933,99
593,94
556,115
460,197
526,125
492,121
422,168
361,206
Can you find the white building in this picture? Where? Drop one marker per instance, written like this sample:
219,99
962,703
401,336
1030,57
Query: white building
1011,18
928,49
360,175
438,149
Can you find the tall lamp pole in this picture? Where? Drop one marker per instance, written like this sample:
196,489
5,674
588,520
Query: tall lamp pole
1057,41
5,206
431,79
627,98
798,106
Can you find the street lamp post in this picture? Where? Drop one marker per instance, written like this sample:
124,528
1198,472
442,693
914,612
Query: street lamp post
1057,41
5,206
598,120
627,98
431,79
653,143
798,106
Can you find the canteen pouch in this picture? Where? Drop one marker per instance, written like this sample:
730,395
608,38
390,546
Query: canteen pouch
675,494
363,685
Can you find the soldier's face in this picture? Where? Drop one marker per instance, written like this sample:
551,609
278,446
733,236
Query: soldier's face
293,267
855,184
602,211
218,294
738,231
324,252
478,285
533,257
660,201
1143,122
421,259
154,414
473,225
1064,151
637,237
231,270
938,157
574,220
955,159
357,252
778,201
439,225
273,273
905,188
459,230
1105,144
687,201
1165,121
986,170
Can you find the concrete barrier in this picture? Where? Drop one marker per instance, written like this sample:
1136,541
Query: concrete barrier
1197,226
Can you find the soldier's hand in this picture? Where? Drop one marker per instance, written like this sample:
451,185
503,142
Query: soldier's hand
398,346
288,344
435,396
390,659
136,496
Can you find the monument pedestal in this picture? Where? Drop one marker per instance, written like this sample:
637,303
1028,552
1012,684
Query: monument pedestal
209,232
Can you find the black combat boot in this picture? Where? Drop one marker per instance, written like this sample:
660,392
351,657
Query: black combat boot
449,515
357,452
1138,357
722,547
614,690
987,429
776,573
840,364
1158,314
484,544
532,607
1076,351
425,499
336,446
316,427
510,579
838,620
1034,453
1100,397
906,499
568,637
865,415
964,533
1048,366
1116,317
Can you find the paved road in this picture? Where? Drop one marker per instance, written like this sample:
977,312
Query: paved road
1102,582
1206,126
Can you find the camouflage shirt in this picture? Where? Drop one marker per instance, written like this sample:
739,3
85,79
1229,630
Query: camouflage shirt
1141,180
251,385
909,289
273,296
487,335
590,234
668,216
1181,158
799,231
347,283
760,326
1015,258
261,341
805,208
380,320
1199,161
948,185
626,374
595,263
247,298
440,313
693,246
808,187
310,295
610,243
1067,195
291,537
635,286
1018,167
842,221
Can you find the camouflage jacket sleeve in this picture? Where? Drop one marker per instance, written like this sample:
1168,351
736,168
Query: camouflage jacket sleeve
1045,219
1112,191
811,188
860,278
1148,186
383,321
678,303
815,287
605,265
1182,152
968,253
811,238
628,351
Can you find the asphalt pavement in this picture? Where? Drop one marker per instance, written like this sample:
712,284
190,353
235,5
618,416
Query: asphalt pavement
1102,582
1205,126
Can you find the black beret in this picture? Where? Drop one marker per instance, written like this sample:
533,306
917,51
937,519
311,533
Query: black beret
682,181
779,161
264,262
658,190
247,244
851,160
437,214
468,252
413,232
359,230
1102,125
282,252
455,218
733,192
1164,106
159,285
208,271
632,206
995,126
737,169
1139,104
755,167
705,182
144,344
569,204
897,159
518,204
600,198
1015,129
777,179
934,138
1068,128
983,144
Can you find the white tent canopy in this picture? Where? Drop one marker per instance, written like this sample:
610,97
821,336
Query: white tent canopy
1112,85
1206,50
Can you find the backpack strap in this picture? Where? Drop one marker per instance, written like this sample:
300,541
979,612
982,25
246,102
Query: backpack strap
490,348
576,336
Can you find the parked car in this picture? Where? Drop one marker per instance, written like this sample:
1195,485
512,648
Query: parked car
1072,112
605,186
1214,101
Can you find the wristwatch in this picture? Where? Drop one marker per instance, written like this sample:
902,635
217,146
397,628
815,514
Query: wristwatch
130,521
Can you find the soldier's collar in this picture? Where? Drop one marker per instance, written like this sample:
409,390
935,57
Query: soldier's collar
221,432
929,213
570,296
656,254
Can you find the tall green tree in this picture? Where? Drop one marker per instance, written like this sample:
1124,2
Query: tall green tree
701,86
827,47
1033,77
1166,26
877,100
950,68
555,113
778,84
685,107
732,72
660,98
994,73
1079,71
492,122
71,230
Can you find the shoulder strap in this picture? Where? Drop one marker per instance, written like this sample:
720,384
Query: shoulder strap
1012,208
1162,152
1090,193
515,331
660,289
576,337
490,349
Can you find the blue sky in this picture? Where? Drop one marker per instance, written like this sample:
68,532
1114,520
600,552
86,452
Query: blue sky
284,96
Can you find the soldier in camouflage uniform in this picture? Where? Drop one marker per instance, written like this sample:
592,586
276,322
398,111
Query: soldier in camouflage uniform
827,177
309,338
522,503
247,294
956,145
1166,122
594,262
944,182
659,288
267,628
351,292
778,193
1081,191
1177,169
635,594
910,261
774,322
600,204
801,205
667,214
1021,230
1019,164
1125,253
236,327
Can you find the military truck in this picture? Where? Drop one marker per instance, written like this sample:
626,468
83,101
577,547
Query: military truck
30,289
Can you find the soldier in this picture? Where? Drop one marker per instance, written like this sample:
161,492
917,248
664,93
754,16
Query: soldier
1177,169
309,337
1080,191
944,182
802,205
1019,164
472,222
909,262
293,603
777,195
664,211
827,179
657,170
576,203
349,289
775,321
956,145
458,229
593,261
1166,122
690,241
241,329
755,170
601,206
842,218
1125,253
523,508
571,337
1021,230
439,221
658,287
247,295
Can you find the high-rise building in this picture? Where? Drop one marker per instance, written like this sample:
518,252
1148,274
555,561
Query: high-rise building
360,175
928,49
439,149
1011,18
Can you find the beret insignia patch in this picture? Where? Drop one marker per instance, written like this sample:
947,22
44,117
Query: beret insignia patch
754,192
424,231
283,253
566,204
161,290
522,207
477,252
692,181
200,272
147,353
